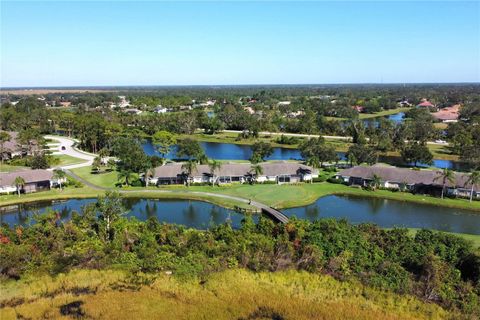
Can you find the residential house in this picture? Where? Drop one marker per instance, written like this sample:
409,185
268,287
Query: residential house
417,181
426,104
35,180
279,172
13,147
448,114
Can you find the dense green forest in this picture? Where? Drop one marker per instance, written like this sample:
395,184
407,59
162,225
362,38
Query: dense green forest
318,110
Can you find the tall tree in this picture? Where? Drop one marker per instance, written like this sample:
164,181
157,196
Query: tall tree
190,149
417,152
446,175
163,141
19,183
59,175
189,167
110,210
473,180
214,166
256,170
260,151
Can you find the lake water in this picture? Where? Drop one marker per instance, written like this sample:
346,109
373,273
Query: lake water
230,151
197,214
194,214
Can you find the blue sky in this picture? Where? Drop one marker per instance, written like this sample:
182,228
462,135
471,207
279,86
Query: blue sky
181,43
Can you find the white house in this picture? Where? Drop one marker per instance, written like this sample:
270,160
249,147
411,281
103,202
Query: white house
279,172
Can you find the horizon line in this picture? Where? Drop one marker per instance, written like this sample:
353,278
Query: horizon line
231,85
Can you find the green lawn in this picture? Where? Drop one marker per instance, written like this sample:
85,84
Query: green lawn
474,238
68,160
54,194
285,196
363,116
10,168
382,113
104,179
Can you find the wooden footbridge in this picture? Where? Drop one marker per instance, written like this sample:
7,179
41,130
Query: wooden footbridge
275,214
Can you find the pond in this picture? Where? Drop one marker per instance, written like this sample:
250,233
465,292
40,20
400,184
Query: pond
198,214
230,151
390,213
194,214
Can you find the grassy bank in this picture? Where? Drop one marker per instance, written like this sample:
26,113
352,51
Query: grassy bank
278,196
439,151
287,196
234,294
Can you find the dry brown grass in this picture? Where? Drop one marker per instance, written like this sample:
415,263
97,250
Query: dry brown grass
235,294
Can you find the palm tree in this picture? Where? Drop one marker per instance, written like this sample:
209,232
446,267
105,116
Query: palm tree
19,183
257,170
97,162
111,164
59,175
124,176
214,166
376,181
188,167
148,173
446,175
473,179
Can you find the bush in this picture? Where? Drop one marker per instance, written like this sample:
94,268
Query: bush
337,180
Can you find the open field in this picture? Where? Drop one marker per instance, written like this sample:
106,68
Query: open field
232,294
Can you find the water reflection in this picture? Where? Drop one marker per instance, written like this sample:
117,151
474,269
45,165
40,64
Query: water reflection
230,151
197,214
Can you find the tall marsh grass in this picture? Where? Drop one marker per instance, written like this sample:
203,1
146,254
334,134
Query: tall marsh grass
233,294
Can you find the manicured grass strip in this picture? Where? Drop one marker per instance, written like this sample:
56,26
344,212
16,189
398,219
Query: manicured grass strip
68,160
104,179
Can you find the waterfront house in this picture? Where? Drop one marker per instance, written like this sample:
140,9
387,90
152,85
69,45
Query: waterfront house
417,181
35,180
279,172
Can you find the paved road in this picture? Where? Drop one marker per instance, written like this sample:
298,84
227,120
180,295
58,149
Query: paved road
71,151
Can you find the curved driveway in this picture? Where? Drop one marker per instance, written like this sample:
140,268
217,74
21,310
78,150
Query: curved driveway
73,152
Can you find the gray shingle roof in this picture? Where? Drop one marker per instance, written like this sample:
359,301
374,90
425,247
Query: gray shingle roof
235,169
7,179
405,175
